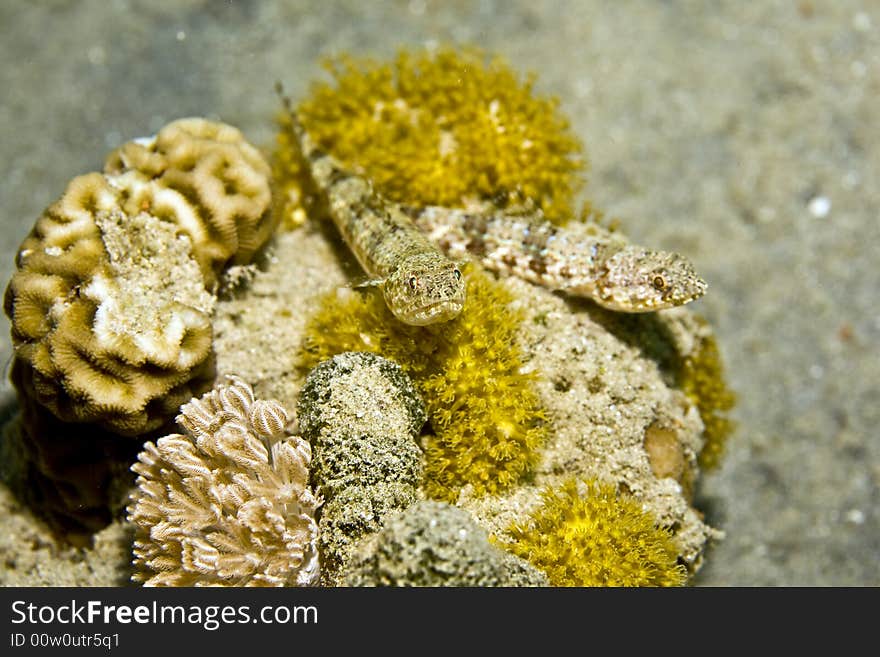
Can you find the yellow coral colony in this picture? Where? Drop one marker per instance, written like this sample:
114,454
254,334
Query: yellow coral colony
445,128
701,377
441,128
586,534
486,417
228,502
112,298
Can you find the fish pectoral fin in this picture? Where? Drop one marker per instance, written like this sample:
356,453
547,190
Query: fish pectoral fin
464,263
372,282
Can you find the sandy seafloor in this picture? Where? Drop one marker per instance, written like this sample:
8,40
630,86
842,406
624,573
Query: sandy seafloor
742,134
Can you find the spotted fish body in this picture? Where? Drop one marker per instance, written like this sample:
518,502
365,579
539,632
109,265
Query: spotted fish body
398,247
581,259
420,284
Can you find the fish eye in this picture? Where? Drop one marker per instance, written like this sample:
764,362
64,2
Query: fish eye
457,274
659,282
413,281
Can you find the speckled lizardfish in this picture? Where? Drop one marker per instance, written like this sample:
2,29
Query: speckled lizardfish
422,283
581,259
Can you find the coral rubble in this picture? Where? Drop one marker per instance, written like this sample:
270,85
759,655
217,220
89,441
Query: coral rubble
361,413
435,544
228,502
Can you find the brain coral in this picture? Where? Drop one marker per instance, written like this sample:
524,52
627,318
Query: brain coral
228,502
110,303
207,179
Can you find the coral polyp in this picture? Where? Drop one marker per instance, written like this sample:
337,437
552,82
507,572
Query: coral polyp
486,419
700,376
438,128
227,502
588,534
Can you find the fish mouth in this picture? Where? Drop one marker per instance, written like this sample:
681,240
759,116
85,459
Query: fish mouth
649,304
440,311
696,290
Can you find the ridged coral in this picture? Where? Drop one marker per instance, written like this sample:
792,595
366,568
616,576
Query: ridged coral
438,128
110,305
204,177
228,502
588,534
486,419
436,544
361,414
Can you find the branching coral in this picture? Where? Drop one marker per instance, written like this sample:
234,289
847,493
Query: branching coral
439,128
362,415
228,502
110,303
487,421
590,535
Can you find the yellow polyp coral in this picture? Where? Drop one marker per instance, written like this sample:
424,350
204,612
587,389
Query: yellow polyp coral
294,189
438,128
701,377
588,534
486,419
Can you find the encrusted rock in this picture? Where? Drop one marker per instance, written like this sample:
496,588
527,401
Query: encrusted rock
361,413
436,544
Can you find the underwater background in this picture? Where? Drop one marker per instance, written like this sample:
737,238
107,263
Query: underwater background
740,134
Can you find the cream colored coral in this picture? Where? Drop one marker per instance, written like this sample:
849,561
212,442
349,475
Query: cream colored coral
109,312
227,503
204,176
111,302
